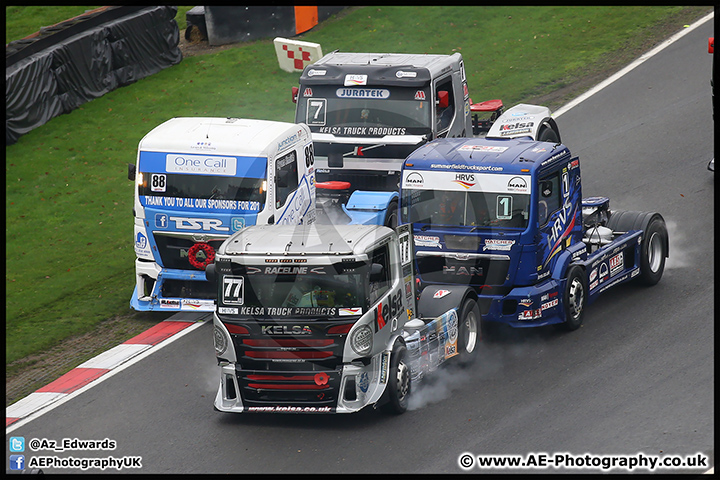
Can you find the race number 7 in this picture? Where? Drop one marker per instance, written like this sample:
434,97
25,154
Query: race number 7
316,111
233,290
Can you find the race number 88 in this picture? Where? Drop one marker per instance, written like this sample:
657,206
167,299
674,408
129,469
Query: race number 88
157,182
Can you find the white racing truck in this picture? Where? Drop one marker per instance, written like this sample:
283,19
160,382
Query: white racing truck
368,111
324,319
197,181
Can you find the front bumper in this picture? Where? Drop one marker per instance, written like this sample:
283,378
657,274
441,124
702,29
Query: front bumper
154,282
345,390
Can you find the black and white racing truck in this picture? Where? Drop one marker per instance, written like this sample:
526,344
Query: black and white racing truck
324,319
368,111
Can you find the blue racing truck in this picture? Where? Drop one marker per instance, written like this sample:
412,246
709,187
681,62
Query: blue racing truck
506,217
197,181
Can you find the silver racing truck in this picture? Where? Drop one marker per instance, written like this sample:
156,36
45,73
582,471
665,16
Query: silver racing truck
324,319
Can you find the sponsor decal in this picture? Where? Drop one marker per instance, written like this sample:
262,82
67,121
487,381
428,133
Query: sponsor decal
441,293
286,329
427,241
169,303
593,285
364,382
419,95
312,72
352,79
593,274
482,148
414,179
205,224
550,304
617,264
464,183
451,270
141,241
603,272
200,164
384,366
530,314
402,74
375,93
538,150
388,310
526,302
195,304
202,146
516,126
350,311
517,184
228,310
308,92
498,244
574,164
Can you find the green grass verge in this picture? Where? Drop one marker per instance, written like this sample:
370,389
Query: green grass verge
69,246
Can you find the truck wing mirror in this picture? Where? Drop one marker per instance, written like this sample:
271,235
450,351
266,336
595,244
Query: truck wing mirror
546,189
295,91
131,171
443,99
376,272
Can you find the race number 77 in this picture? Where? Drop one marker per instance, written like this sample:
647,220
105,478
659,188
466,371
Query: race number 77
233,290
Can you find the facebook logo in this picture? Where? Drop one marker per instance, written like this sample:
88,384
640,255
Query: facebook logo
17,462
17,444
161,220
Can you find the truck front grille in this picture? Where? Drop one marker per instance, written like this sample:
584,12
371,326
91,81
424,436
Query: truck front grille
291,388
174,251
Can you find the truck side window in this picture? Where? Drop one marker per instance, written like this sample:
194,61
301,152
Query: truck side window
379,274
550,197
286,177
445,115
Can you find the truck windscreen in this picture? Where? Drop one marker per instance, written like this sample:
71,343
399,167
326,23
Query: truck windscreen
250,191
458,208
303,289
365,111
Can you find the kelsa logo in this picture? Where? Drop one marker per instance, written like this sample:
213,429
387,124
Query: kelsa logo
515,126
387,311
466,180
286,330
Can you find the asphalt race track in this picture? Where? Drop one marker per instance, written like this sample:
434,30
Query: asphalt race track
637,378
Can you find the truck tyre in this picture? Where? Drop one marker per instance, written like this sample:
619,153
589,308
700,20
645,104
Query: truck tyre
548,134
391,216
398,388
468,331
574,298
654,247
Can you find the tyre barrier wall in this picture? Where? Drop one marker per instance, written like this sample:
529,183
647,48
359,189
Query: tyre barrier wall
242,24
84,58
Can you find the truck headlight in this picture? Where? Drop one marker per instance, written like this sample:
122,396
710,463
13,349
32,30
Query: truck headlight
361,340
220,340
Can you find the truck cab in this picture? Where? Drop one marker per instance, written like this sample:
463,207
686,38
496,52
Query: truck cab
506,217
368,111
197,181
323,319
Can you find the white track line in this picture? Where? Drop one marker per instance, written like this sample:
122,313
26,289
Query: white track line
634,64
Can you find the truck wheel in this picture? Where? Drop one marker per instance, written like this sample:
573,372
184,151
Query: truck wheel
468,331
654,248
574,298
399,381
653,251
391,216
547,134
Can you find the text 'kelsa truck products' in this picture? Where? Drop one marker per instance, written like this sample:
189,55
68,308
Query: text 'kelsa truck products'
198,180
324,319
368,111
505,216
